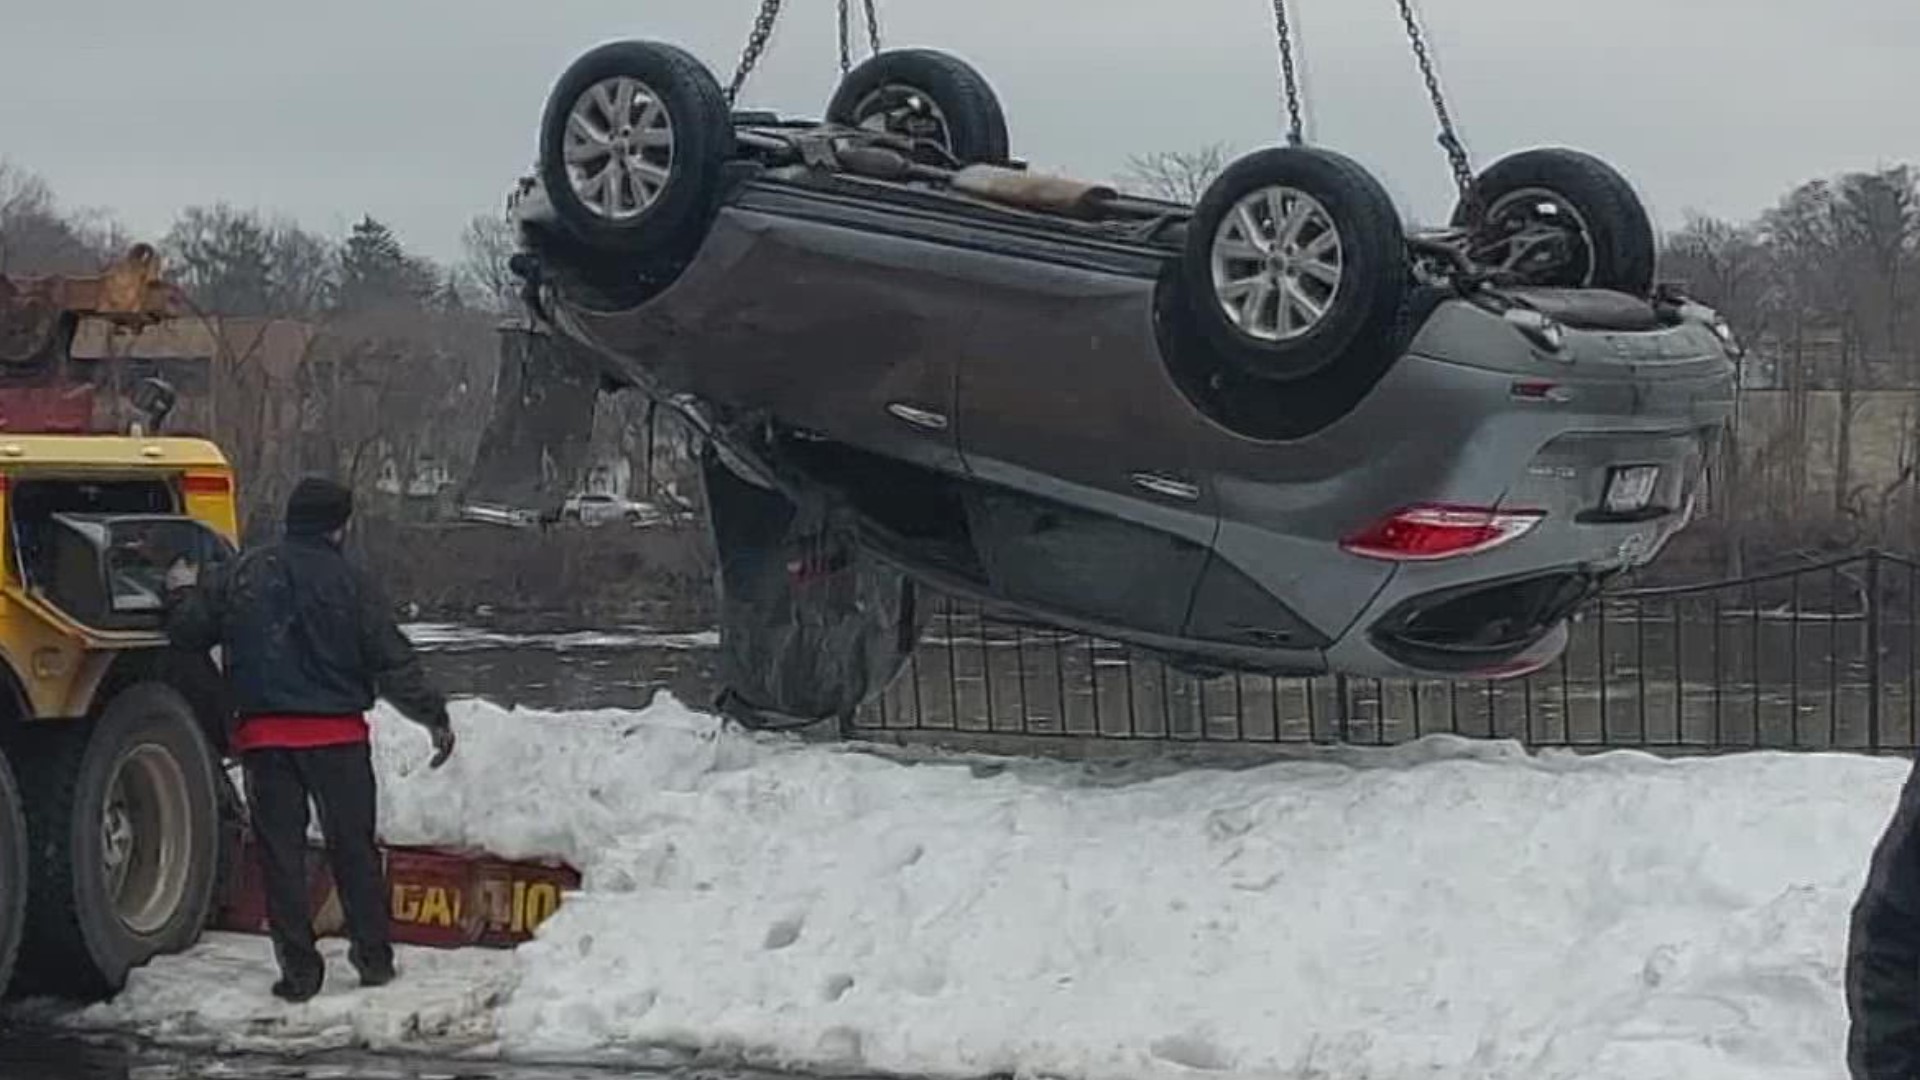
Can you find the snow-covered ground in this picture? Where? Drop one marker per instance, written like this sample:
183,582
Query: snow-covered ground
1445,910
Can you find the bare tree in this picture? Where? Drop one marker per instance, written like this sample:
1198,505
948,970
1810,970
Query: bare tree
1179,175
237,263
489,243
1878,218
37,237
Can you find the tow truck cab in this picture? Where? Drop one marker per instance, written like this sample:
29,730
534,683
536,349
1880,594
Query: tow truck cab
114,738
112,799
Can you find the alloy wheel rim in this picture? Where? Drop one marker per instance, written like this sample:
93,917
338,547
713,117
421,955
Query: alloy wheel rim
619,148
1278,264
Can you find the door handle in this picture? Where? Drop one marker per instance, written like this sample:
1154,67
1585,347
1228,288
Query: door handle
1168,486
920,418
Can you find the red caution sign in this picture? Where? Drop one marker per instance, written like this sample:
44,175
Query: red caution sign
436,897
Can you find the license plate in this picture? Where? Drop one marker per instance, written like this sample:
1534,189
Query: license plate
1629,490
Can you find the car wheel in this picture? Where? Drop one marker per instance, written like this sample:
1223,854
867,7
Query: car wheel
1608,237
635,137
1295,258
924,94
13,873
124,821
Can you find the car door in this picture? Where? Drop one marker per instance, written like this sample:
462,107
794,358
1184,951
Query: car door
837,328
1084,499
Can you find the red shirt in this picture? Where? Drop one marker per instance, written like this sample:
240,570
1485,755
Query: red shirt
299,732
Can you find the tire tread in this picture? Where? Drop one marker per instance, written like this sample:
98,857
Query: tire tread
15,874
49,955
977,122
703,143
1625,252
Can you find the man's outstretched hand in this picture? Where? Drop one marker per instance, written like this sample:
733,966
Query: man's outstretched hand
442,744
181,576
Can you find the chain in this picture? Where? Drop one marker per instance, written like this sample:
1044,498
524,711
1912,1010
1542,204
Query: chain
1449,139
1289,78
846,42
873,27
846,34
756,44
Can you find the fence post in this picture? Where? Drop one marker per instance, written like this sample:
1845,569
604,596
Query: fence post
1873,650
653,433
1345,715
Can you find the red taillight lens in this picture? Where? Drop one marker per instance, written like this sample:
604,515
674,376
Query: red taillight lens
1425,533
207,484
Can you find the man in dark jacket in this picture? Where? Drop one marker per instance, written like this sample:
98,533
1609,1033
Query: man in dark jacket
1883,952
308,642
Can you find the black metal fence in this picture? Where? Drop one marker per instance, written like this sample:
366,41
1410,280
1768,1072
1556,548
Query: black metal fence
1819,657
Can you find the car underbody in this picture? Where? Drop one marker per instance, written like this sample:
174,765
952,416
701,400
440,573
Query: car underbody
1272,431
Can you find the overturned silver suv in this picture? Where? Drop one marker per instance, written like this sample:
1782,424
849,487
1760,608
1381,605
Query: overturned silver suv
1272,431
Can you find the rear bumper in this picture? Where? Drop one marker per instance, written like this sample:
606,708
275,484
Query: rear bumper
1503,613
1490,629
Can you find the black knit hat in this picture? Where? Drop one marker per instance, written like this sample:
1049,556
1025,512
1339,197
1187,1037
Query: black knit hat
318,507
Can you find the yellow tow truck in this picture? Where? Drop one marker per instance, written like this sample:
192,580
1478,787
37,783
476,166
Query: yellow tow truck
112,798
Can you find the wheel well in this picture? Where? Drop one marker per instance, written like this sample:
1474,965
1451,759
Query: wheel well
15,707
192,675
1276,411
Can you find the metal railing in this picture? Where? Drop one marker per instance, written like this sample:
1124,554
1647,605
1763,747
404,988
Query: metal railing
1820,657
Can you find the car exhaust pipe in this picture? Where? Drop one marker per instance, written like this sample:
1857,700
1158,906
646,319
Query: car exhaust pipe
537,437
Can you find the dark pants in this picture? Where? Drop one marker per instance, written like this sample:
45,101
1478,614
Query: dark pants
1883,953
340,780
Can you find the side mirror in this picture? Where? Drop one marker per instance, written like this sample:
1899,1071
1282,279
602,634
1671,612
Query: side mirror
110,570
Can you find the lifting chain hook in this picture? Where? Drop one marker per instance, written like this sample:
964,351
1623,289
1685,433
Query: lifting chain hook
1449,139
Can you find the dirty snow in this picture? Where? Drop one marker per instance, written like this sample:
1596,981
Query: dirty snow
1449,909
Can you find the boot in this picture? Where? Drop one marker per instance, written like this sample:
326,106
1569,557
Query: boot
374,971
296,988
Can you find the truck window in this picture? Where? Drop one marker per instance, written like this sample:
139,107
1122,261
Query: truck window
32,504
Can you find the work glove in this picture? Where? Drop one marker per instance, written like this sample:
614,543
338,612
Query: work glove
182,575
442,743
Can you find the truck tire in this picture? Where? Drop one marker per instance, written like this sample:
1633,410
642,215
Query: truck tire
124,820
13,873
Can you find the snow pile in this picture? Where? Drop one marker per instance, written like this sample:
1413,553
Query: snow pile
1451,909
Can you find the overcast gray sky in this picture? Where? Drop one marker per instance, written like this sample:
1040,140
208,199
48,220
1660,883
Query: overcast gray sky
422,112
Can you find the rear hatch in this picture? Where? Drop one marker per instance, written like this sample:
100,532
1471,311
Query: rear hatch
1641,395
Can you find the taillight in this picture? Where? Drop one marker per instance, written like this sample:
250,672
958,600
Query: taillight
1426,533
207,483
